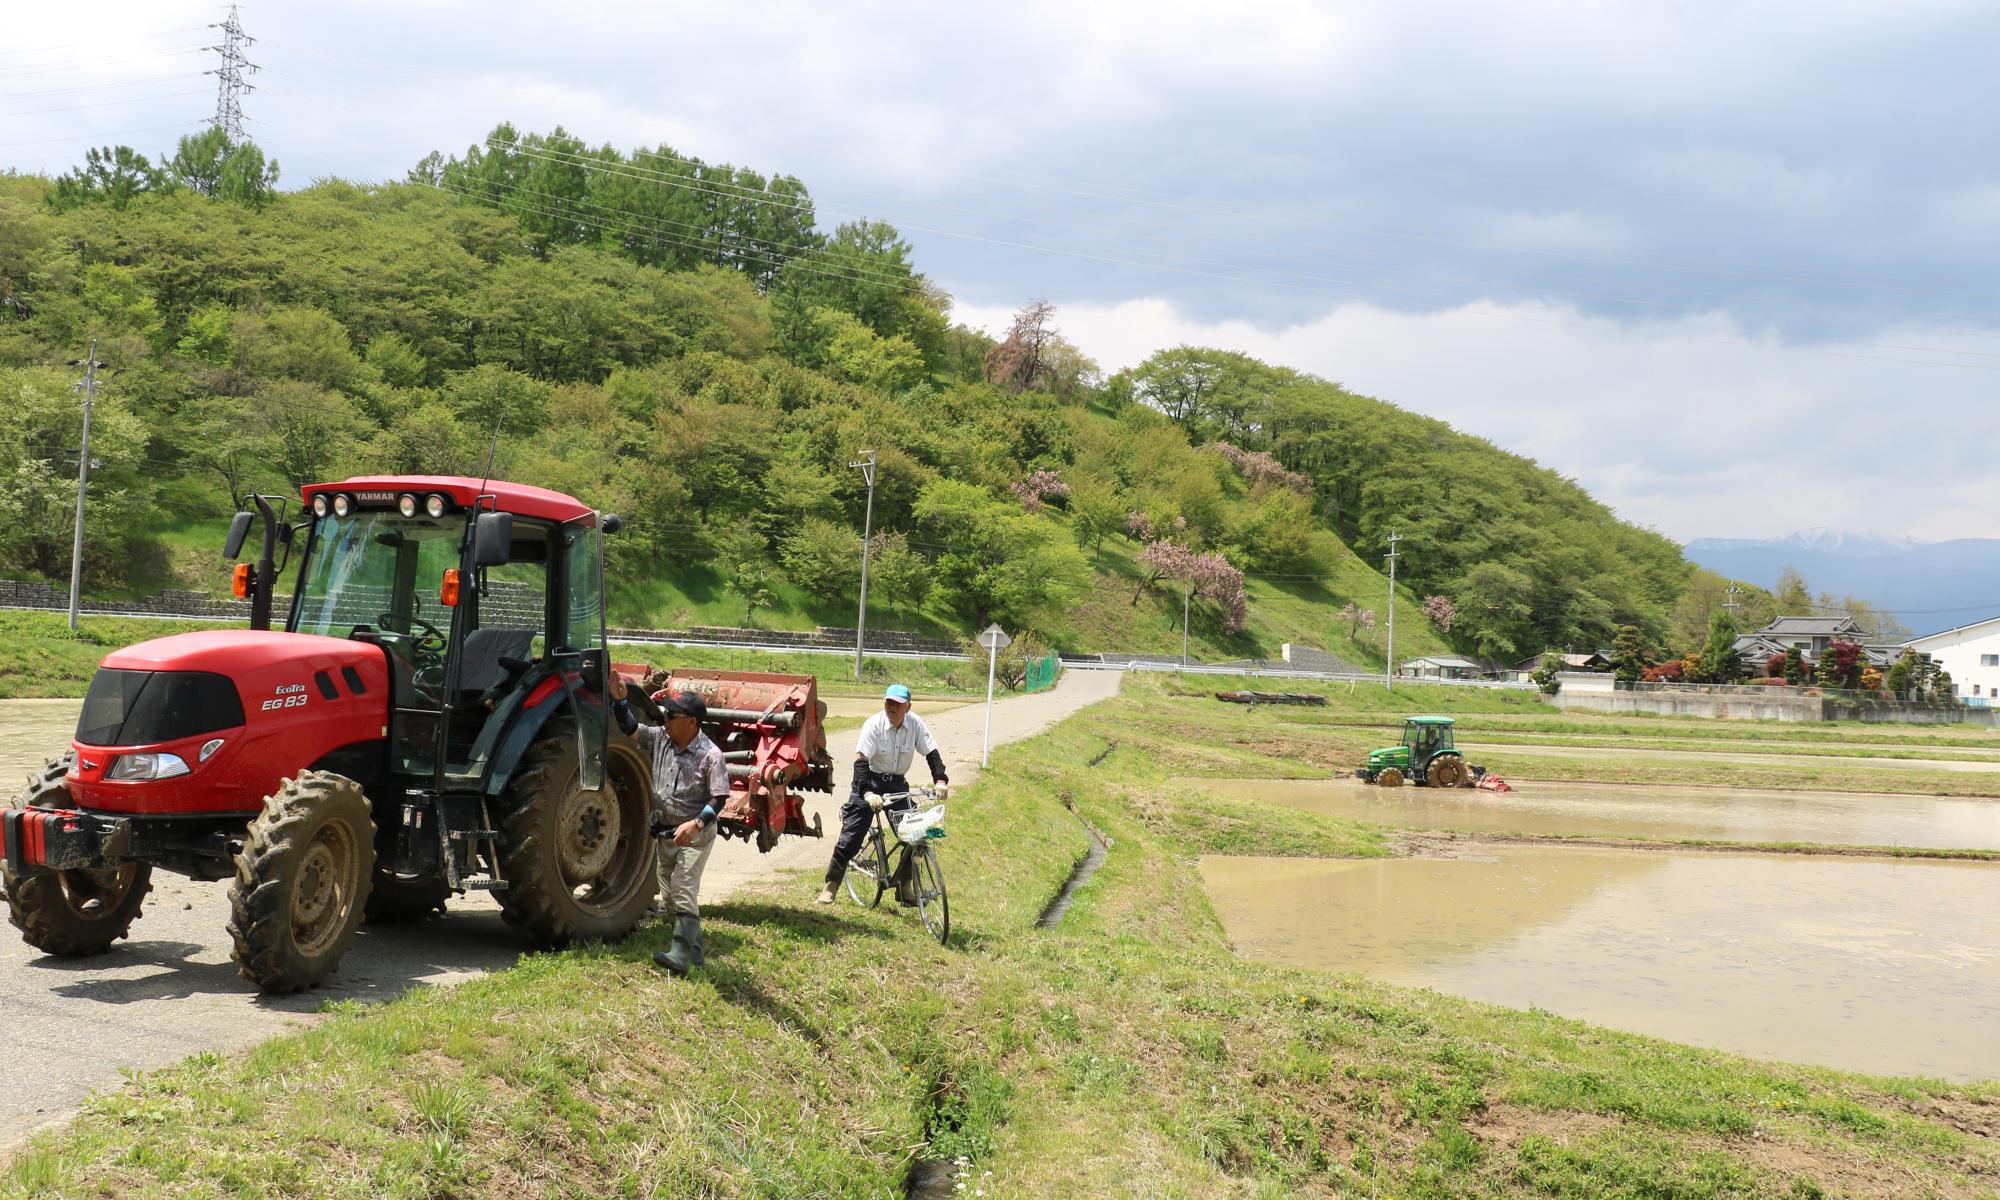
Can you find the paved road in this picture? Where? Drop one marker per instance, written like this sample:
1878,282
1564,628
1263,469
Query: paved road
170,991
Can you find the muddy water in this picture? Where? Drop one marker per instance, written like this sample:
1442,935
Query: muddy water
1862,964
1647,811
1516,752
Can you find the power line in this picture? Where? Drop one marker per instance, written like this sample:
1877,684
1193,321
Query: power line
99,104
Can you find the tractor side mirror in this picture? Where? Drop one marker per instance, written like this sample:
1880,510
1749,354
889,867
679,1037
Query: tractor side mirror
611,523
239,528
492,539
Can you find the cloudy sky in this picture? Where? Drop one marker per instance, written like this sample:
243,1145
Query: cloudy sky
1730,265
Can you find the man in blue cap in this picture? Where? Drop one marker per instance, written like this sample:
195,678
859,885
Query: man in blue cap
890,742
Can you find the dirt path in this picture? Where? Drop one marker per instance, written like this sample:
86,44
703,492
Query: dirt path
171,990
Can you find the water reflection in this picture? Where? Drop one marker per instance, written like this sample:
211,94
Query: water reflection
1647,811
1864,964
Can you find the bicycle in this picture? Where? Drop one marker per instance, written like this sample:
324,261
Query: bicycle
917,875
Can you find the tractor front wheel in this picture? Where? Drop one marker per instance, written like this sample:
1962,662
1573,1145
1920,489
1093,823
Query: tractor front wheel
1446,772
71,914
1389,777
578,863
302,882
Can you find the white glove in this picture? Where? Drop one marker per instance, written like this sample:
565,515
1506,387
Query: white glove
874,800
943,791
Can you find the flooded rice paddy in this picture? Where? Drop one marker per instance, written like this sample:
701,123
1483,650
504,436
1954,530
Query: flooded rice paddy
1868,964
1863,964
1647,811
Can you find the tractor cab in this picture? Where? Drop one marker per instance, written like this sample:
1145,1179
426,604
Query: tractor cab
1427,755
473,600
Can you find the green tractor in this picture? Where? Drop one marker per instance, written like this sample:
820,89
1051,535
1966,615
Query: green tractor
1426,755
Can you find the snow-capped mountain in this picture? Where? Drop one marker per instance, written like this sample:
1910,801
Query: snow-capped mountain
1928,585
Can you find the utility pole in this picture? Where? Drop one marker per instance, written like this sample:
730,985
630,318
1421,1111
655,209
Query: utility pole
1729,603
1389,671
1187,593
88,386
230,85
867,465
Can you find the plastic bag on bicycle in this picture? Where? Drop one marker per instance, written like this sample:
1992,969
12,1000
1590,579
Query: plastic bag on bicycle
921,824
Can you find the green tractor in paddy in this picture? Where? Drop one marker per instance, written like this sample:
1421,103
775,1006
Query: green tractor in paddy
1425,755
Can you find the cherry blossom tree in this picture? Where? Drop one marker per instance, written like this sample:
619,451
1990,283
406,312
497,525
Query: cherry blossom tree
1357,618
1441,611
1210,577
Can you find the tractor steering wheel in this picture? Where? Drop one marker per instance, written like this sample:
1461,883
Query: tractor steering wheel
427,649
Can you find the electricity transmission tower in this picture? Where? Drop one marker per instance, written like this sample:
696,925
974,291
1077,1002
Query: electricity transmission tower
230,85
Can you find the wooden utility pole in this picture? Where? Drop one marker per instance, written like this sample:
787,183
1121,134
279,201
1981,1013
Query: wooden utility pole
88,386
1389,671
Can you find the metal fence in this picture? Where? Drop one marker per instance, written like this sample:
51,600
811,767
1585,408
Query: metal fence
1041,673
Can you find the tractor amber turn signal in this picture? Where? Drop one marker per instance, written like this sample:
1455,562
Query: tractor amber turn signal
239,580
448,591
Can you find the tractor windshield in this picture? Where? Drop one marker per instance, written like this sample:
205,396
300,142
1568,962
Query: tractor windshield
379,571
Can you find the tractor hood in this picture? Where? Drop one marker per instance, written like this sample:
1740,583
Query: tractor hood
239,653
1388,754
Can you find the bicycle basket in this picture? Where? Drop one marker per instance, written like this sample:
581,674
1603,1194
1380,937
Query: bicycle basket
922,824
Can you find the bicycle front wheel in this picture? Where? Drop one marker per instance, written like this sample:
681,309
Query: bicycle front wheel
931,901
868,874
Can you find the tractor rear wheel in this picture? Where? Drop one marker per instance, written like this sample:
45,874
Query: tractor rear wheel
578,863
302,882
71,914
396,898
1389,777
1446,771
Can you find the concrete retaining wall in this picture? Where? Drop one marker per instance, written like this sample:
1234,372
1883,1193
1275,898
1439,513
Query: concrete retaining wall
1776,707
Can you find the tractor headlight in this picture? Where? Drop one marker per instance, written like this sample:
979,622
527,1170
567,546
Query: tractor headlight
342,506
406,504
319,505
146,766
436,505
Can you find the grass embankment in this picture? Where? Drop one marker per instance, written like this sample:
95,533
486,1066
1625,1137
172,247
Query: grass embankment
1126,1053
40,657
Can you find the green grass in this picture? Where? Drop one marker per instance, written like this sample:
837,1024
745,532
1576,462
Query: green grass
924,676
41,657
1126,1053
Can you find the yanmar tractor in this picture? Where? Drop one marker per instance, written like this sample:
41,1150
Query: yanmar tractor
431,717
1425,755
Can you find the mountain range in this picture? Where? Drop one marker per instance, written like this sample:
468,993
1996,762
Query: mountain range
1928,585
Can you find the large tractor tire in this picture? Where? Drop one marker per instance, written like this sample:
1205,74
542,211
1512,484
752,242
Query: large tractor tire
302,882
1389,777
1446,771
578,863
71,914
398,898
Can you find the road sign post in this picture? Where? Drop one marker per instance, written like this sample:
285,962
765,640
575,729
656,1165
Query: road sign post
995,639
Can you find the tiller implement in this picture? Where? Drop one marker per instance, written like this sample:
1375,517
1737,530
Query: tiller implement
770,729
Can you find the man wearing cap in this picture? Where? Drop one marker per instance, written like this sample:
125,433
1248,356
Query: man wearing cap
890,742
690,786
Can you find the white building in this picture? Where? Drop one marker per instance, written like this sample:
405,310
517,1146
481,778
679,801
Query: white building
1971,653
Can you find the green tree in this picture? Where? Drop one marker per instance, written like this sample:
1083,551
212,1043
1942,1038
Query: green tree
1547,673
1718,657
210,164
1794,667
1791,595
112,175
1628,654
823,558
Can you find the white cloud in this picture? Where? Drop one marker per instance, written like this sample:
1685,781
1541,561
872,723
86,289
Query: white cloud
1685,426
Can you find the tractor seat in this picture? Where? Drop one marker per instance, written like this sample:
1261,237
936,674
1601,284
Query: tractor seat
486,657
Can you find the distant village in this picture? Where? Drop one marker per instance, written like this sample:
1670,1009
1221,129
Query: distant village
1965,660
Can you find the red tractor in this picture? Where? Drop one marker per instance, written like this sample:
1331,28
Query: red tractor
431,717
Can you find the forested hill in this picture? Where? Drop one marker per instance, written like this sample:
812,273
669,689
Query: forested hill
682,343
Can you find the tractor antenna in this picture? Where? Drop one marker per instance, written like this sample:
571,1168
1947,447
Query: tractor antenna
492,448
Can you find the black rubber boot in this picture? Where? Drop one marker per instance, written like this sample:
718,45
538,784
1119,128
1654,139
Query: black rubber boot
686,950
700,953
